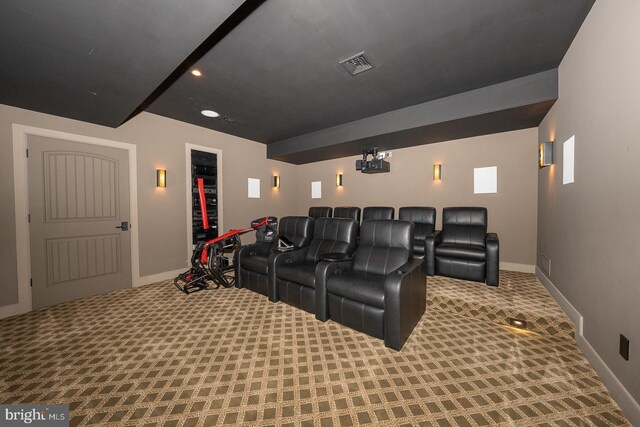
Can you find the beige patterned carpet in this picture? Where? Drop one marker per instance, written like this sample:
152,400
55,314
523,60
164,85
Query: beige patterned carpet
154,356
519,296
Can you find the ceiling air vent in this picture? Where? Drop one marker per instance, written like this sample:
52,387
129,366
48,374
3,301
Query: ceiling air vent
356,64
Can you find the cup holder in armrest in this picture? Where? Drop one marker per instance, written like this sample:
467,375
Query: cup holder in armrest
335,256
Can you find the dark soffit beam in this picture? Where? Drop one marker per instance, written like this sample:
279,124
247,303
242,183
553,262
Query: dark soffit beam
245,9
523,101
525,117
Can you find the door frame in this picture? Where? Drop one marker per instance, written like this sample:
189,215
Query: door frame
188,147
21,189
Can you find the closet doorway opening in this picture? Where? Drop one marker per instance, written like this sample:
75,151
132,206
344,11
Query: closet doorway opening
203,171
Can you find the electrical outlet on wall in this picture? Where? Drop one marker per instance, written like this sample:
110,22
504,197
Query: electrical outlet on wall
624,347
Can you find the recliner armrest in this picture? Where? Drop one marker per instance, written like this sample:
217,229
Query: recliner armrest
324,271
245,251
493,259
262,248
405,300
295,256
405,269
430,252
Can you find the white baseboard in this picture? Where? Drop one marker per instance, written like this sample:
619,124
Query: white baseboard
522,268
563,302
9,310
14,309
159,277
621,395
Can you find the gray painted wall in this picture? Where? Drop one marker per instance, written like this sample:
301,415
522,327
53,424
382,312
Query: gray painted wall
590,229
512,211
160,143
162,212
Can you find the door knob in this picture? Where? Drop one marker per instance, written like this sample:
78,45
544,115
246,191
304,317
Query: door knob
124,226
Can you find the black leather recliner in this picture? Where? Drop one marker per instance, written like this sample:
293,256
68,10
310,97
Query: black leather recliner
255,262
382,290
377,212
424,219
316,212
352,212
464,249
295,271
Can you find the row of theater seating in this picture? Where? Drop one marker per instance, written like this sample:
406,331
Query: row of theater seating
372,284
375,283
463,249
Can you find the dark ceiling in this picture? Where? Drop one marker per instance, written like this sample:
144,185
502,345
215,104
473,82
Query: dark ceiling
97,61
272,69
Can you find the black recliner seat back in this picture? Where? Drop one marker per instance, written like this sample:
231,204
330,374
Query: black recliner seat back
464,226
297,229
316,212
424,219
385,245
377,212
331,235
352,212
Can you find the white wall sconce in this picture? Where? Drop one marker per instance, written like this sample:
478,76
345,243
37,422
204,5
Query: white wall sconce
437,171
339,180
161,178
545,154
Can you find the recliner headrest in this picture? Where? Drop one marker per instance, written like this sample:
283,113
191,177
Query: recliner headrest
352,212
378,212
464,216
320,212
418,214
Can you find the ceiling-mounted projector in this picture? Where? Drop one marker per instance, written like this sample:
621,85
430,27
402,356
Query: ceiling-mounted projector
375,165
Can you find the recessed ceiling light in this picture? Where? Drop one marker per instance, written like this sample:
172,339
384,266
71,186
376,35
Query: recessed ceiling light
196,72
209,113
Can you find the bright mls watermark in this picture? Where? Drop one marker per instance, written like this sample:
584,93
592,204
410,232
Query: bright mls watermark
36,415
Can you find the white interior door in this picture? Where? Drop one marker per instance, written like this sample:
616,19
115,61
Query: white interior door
79,214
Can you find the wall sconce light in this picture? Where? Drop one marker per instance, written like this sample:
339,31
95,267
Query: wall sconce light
437,171
339,180
545,153
161,178
276,181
